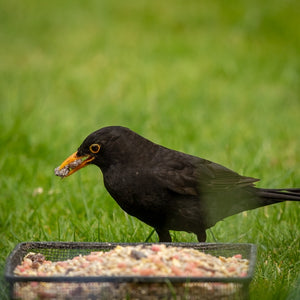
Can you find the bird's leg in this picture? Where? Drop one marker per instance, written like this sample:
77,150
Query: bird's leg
201,235
164,235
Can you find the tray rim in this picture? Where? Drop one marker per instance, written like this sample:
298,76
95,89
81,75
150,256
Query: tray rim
11,278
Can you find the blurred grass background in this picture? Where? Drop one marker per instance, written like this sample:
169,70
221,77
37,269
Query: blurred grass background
216,79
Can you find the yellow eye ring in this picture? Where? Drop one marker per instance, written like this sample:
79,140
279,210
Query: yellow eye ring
94,148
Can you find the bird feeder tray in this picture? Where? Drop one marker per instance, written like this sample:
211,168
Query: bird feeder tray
125,287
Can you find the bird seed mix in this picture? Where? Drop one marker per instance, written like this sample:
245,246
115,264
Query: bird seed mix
140,260
65,170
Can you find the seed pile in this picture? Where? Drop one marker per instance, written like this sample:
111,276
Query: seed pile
65,170
155,260
141,260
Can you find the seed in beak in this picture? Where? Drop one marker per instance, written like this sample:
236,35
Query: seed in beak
66,169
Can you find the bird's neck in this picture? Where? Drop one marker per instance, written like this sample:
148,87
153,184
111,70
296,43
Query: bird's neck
133,153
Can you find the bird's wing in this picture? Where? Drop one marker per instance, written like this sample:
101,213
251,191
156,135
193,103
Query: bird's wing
190,175
214,175
177,177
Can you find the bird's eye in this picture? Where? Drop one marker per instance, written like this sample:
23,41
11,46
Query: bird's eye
94,148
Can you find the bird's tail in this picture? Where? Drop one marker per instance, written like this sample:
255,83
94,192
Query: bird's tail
271,196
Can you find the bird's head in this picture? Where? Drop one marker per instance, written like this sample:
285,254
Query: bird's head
100,148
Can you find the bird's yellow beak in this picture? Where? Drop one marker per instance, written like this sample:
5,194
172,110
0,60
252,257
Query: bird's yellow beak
72,164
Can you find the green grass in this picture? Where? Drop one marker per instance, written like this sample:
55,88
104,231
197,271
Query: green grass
216,79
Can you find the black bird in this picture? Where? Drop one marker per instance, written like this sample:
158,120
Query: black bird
167,189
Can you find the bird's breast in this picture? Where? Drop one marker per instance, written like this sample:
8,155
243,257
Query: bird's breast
134,190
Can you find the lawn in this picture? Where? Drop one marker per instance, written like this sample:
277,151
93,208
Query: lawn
216,79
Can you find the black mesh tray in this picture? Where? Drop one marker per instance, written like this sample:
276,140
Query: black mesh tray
125,287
